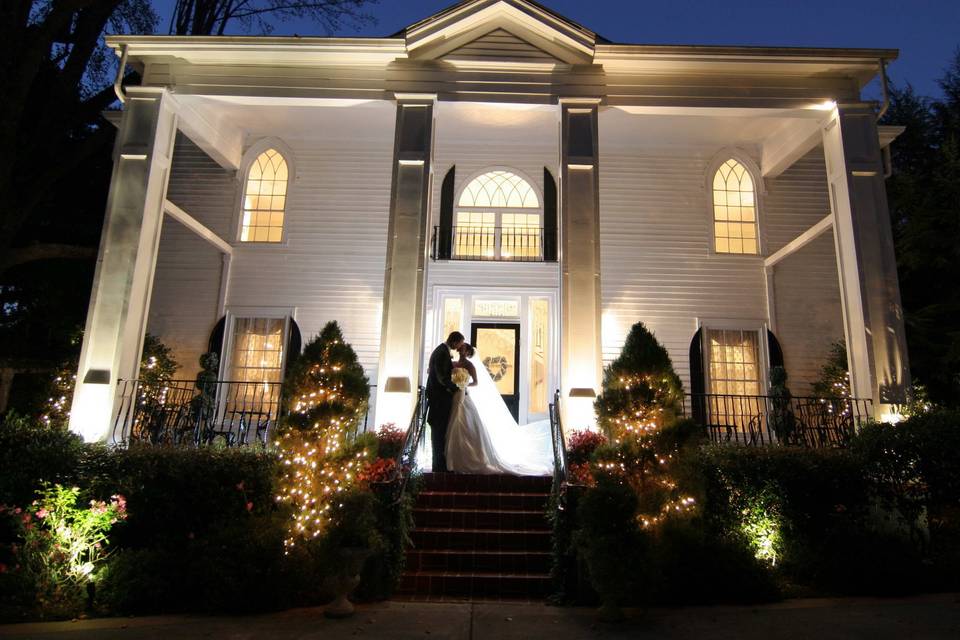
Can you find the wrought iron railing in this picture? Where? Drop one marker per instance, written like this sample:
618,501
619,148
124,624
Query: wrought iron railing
763,420
181,412
407,458
478,242
558,439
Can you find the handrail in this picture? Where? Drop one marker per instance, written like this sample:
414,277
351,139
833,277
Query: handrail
558,439
407,458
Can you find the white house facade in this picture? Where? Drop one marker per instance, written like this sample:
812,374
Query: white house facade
499,170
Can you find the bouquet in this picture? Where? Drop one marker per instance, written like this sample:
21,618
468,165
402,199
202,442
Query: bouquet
460,377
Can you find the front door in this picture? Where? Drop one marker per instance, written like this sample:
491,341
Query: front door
499,347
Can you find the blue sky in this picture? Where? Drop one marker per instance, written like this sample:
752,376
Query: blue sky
926,31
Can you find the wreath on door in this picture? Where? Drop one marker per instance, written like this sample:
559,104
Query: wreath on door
496,366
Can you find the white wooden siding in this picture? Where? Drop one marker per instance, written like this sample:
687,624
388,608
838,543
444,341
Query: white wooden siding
186,284
656,264
806,285
331,266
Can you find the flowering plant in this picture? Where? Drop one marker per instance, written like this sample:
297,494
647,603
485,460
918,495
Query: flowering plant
389,440
460,377
582,444
380,470
63,544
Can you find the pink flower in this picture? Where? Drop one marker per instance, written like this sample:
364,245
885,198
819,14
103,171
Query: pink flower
249,506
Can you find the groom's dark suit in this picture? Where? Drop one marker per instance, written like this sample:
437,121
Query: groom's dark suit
440,390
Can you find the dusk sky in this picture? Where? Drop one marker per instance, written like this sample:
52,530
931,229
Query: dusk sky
926,31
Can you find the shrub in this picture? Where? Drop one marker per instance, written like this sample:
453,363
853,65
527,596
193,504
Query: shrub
32,453
326,394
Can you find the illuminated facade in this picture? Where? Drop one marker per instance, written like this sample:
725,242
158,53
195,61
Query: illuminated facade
503,171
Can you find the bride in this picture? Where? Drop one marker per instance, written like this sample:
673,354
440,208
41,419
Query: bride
483,437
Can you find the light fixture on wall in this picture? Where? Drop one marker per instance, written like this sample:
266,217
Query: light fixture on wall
399,384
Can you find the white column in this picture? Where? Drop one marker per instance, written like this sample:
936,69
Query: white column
401,333
113,338
872,313
580,352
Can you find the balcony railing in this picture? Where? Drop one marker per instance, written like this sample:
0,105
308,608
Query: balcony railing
487,243
763,420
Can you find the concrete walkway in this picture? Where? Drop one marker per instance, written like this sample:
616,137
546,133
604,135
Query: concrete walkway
926,617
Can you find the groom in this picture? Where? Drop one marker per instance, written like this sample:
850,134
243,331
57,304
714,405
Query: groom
440,390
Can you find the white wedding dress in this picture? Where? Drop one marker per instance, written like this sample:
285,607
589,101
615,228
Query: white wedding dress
483,437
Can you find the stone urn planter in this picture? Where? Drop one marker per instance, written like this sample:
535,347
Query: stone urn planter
346,580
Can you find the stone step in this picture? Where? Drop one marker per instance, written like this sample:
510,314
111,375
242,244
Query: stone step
459,518
472,561
527,501
475,584
449,538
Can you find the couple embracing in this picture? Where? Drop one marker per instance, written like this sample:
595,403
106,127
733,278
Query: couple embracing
467,415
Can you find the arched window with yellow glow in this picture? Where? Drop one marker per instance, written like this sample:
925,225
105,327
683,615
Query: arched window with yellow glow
265,198
734,210
499,217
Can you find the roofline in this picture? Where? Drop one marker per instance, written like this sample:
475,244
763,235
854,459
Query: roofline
116,40
456,6
887,55
719,51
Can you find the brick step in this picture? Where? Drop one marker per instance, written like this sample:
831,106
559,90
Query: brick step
486,483
487,500
480,519
432,538
478,584
513,562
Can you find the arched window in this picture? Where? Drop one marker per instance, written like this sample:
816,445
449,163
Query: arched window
498,216
265,198
734,210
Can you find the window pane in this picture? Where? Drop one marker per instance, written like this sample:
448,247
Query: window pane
265,192
734,204
255,369
734,359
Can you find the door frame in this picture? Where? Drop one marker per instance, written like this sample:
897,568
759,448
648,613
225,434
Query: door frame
433,327
517,328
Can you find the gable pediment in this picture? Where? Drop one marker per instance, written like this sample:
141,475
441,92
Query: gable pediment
500,45
513,31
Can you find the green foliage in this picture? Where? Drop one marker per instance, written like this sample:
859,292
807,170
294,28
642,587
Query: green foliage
32,453
610,541
326,382
60,547
924,197
833,380
639,386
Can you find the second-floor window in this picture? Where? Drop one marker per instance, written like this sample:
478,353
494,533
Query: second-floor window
265,198
498,216
734,210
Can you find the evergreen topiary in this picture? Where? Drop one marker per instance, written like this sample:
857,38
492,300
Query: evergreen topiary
326,395
641,391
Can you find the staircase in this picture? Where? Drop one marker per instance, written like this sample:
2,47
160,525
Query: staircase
479,537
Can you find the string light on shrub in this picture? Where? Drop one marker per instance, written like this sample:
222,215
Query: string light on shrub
327,396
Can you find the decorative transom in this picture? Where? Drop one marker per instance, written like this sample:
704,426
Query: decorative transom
499,189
